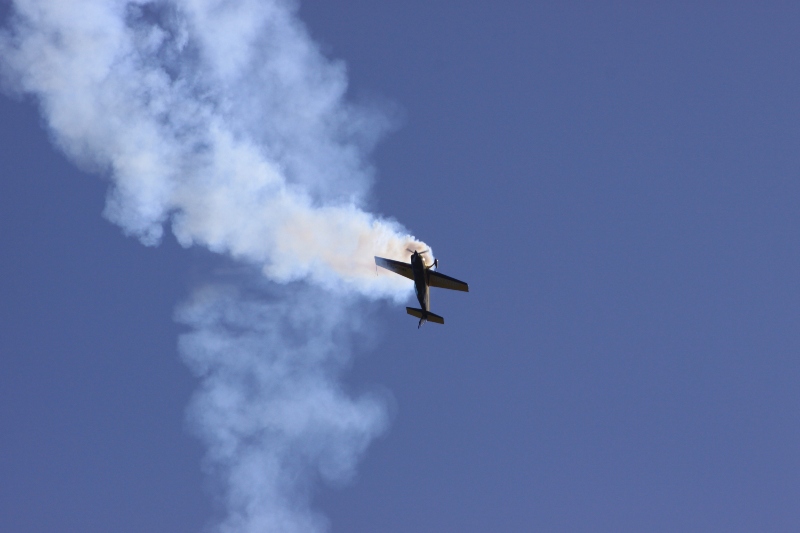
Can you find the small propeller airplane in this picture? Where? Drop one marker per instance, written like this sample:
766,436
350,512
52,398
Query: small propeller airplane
424,278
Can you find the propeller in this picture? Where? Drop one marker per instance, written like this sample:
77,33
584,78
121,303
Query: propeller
435,261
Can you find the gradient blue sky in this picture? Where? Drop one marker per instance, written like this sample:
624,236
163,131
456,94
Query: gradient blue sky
619,186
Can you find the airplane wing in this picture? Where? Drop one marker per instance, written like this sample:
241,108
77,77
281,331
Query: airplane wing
398,267
446,282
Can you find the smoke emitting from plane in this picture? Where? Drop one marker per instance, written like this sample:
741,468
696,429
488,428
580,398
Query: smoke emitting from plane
222,120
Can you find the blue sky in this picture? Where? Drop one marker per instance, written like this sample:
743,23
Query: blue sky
617,184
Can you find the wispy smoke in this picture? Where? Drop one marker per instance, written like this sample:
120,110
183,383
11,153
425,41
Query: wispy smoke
222,120
271,408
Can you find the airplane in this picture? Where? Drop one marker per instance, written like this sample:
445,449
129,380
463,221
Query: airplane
424,278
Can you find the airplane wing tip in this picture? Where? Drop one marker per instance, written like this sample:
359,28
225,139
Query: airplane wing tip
398,267
446,282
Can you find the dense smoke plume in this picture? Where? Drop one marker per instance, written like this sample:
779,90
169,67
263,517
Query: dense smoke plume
219,117
221,120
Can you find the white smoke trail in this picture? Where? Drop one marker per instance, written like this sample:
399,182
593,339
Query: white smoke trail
271,408
219,116
222,119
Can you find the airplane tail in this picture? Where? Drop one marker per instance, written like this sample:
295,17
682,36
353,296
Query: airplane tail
424,316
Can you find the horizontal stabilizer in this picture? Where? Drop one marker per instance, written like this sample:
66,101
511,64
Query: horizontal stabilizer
419,313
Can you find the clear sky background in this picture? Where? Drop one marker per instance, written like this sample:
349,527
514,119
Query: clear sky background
618,185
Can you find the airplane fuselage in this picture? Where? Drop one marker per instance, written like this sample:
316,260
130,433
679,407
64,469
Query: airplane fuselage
421,286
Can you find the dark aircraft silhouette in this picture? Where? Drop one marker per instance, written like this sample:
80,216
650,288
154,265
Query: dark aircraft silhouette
424,278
